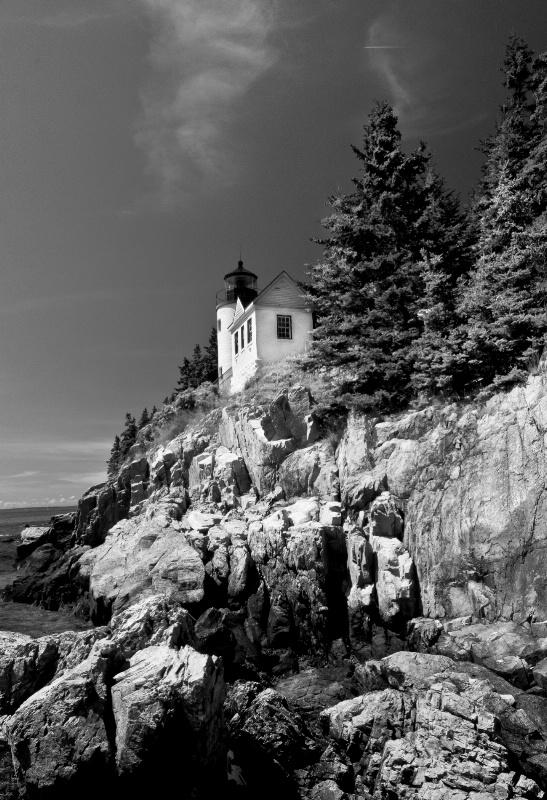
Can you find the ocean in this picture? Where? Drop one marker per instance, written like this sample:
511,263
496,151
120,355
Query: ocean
22,617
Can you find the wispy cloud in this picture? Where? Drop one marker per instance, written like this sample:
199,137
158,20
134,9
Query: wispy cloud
413,68
381,34
26,474
64,18
38,502
84,478
55,449
205,55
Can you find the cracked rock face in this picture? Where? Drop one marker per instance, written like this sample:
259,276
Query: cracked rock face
472,482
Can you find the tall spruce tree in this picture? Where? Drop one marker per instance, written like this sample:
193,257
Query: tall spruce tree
210,358
196,367
504,303
369,290
499,203
127,439
183,382
113,462
144,419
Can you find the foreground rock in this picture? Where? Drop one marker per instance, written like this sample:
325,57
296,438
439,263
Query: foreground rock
106,726
59,737
168,713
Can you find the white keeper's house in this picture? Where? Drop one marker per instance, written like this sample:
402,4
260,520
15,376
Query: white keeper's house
256,328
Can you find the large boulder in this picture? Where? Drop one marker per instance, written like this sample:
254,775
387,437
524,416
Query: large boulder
169,721
59,737
143,556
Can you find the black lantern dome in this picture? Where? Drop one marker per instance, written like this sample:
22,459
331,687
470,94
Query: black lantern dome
239,284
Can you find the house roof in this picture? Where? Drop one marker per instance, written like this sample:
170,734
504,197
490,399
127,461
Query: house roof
282,291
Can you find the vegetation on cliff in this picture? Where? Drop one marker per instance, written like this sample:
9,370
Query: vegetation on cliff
417,296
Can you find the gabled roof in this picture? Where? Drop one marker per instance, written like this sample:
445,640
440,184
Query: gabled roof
283,291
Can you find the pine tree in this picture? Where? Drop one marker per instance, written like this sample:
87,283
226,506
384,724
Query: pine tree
369,291
114,461
210,358
438,364
534,173
185,375
504,303
196,368
154,411
129,435
499,203
144,419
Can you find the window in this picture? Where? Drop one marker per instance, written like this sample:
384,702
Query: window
242,336
218,325
236,343
249,330
284,327
220,372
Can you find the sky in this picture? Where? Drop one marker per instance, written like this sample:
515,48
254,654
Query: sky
144,142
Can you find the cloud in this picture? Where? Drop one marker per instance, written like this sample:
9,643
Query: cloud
64,18
205,55
38,502
381,35
25,474
84,478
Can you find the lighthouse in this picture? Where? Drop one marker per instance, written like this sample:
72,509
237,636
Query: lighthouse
238,285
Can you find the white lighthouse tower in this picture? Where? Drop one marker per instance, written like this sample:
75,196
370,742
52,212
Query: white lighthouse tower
238,285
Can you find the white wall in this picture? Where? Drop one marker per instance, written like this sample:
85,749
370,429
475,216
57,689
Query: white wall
269,347
225,314
244,363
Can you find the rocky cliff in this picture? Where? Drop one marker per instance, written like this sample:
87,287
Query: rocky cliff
282,604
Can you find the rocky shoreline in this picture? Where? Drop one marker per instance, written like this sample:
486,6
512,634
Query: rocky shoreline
281,610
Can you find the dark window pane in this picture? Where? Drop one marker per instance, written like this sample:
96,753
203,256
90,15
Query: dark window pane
284,327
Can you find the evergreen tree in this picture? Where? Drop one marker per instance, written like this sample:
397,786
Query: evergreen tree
504,303
129,435
210,358
145,419
369,291
499,203
154,411
202,367
115,456
196,368
534,173
185,375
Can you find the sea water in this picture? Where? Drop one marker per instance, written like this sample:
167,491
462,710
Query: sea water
22,617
